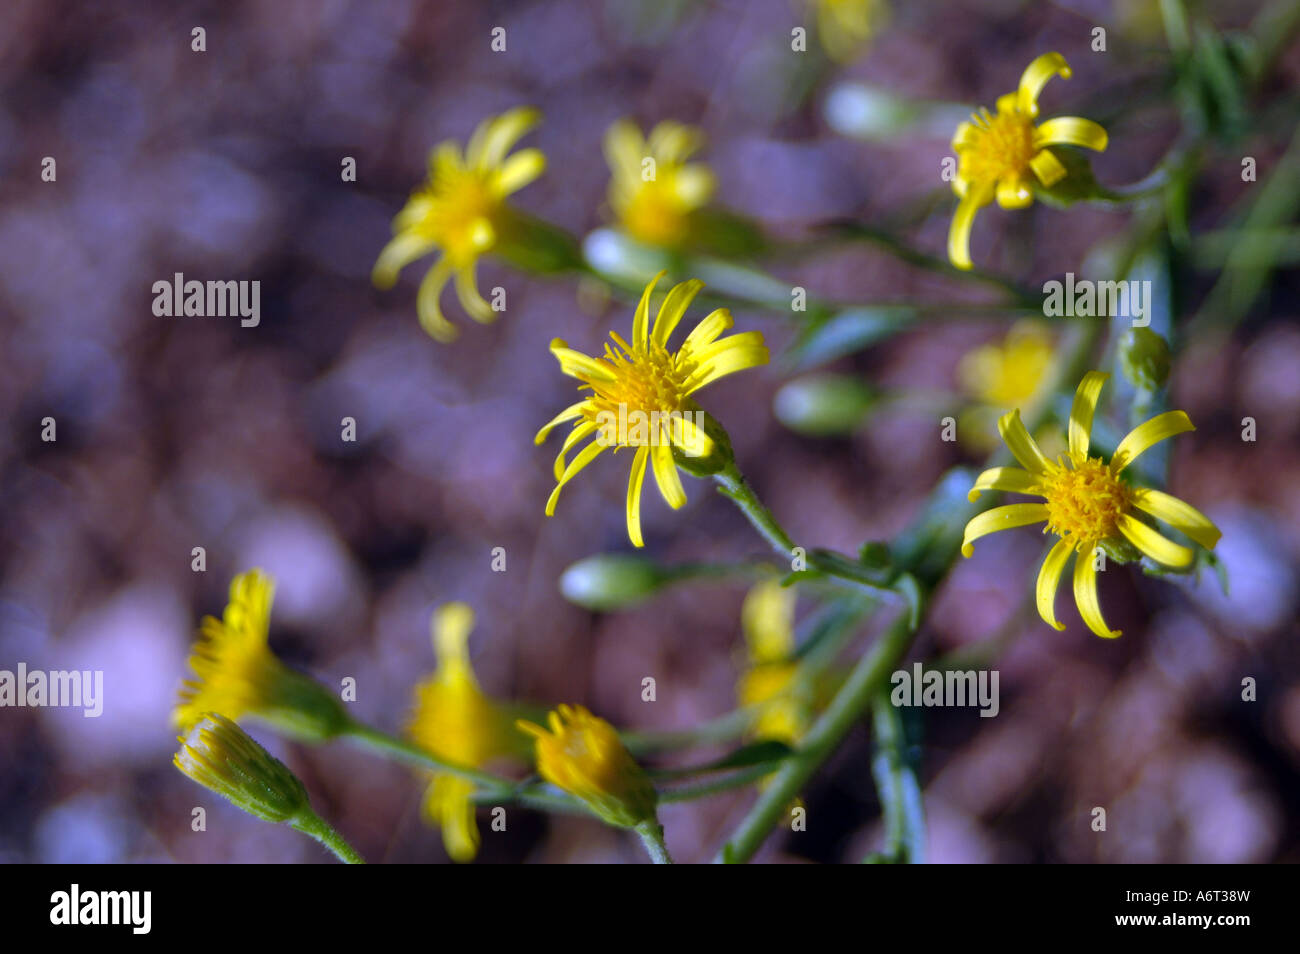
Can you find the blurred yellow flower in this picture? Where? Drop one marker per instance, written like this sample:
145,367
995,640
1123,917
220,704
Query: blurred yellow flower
653,189
781,713
461,211
641,396
584,756
455,721
845,26
222,757
1009,373
1087,503
1000,155
237,674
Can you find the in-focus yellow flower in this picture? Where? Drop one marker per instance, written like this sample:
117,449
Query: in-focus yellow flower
641,396
1087,503
1011,372
584,756
237,674
845,26
653,189
767,618
461,211
1000,155
222,757
455,721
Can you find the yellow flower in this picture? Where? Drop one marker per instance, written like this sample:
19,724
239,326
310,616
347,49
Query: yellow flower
1001,155
455,721
584,756
461,211
641,396
653,190
1087,503
844,26
1009,373
767,618
238,674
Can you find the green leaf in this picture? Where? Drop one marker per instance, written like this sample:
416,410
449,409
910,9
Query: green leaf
846,332
1078,185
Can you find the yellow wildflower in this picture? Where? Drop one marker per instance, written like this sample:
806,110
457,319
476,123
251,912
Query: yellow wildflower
237,673
461,211
1087,503
1002,154
641,396
455,721
1009,373
845,26
584,756
653,189
767,619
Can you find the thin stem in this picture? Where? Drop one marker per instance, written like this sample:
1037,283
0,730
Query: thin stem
652,836
822,739
686,793
900,794
316,827
733,484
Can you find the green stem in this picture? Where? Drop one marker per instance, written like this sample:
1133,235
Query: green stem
900,793
686,793
733,484
313,825
822,739
652,836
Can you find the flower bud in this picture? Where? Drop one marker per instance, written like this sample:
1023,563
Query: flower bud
1144,356
823,404
609,581
220,756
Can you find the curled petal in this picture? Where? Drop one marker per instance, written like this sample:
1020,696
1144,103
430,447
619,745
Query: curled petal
475,305
1001,518
578,365
1071,131
1021,443
707,331
1047,168
428,306
1049,578
1014,193
519,170
585,457
1081,412
962,220
1178,514
403,249
1152,543
673,308
1005,478
1151,432
500,134
1035,77
568,414
634,496
1085,597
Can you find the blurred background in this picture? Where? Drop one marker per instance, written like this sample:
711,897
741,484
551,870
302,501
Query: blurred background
174,433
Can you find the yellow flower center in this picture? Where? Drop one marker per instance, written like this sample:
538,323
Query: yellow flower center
461,207
645,382
655,214
1001,150
1085,499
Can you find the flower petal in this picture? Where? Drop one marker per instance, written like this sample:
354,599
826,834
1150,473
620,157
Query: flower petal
502,133
403,249
640,318
1001,518
1035,77
1014,193
1014,479
634,496
1148,433
967,135
674,306
707,331
665,468
1085,405
962,220
427,304
1049,578
1178,514
578,365
1153,543
579,432
467,291
690,437
1047,168
624,149
737,358
519,170
694,185
585,457
1085,597
1021,443
671,142
1071,131
568,414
